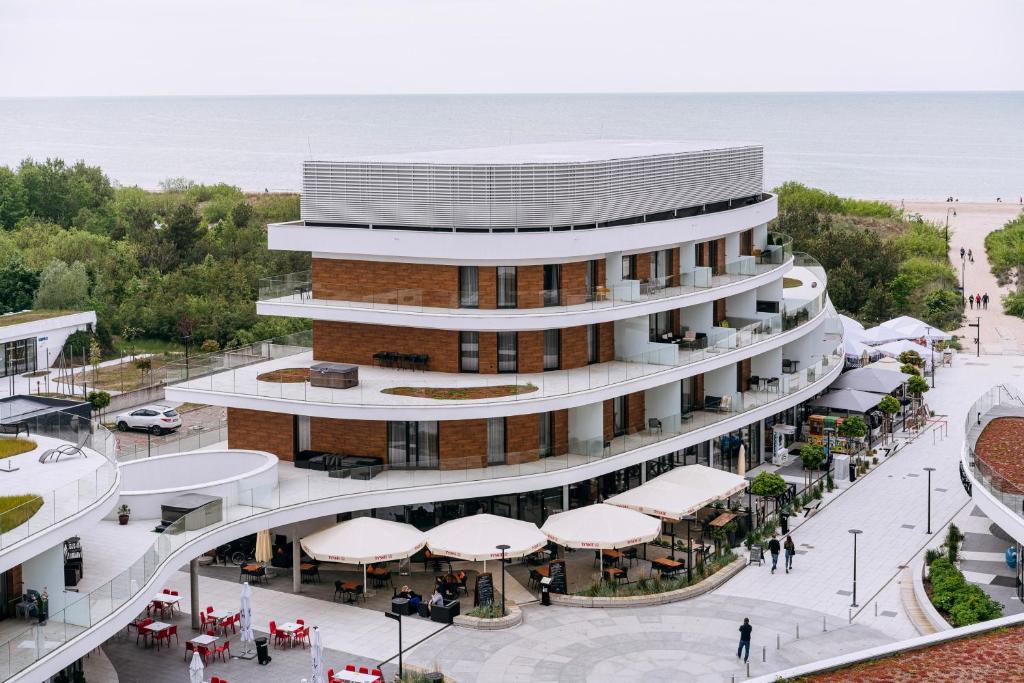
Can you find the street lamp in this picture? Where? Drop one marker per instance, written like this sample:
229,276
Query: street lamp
503,547
931,344
855,532
963,278
929,470
397,617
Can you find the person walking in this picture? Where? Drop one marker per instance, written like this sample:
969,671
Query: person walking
774,548
971,299
977,300
790,549
984,300
963,252
970,256
744,649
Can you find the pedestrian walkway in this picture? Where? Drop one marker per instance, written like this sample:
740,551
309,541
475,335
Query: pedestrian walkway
983,558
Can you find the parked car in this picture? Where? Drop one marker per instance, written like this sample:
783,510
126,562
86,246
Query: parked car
153,419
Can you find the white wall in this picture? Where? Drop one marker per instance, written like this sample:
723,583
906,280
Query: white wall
742,305
632,342
767,364
698,318
720,382
663,403
46,571
732,247
761,236
687,259
770,292
50,333
586,423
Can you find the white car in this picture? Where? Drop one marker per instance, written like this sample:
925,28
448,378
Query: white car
153,419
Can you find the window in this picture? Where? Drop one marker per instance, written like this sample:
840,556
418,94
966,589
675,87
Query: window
496,441
658,325
629,267
659,264
687,395
469,351
17,357
552,357
593,344
546,443
590,279
507,351
620,415
506,286
469,287
412,444
552,284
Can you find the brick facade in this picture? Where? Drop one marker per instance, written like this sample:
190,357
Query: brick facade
463,444
386,282
351,437
356,343
574,347
262,431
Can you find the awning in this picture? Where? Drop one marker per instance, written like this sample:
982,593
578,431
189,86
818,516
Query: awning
880,335
602,527
871,379
895,348
848,399
476,537
912,328
364,540
681,491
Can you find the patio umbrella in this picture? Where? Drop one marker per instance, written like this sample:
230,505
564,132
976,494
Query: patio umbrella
475,538
195,669
601,527
245,617
364,540
264,551
741,467
316,649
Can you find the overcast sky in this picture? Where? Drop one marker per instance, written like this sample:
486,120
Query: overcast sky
240,47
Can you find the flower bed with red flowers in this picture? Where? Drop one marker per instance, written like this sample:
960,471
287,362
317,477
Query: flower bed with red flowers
1001,448
994,656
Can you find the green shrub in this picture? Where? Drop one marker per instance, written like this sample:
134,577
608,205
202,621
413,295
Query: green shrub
931,555
965,603
490,610
768,485
853,427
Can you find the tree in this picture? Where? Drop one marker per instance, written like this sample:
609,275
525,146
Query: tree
853,427
911,358
812,456
13,199
62,286
18,284
99,400
95,358
768,485
917,385
909,369
183,231
889,407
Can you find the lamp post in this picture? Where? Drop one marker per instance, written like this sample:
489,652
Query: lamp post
689,552
855,532
929,470
963,278
503,547
931,345
947,227
397,617
977,339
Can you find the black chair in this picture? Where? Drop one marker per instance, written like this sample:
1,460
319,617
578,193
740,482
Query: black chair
338,590
445,613
402,606
422,360
379,358
753,382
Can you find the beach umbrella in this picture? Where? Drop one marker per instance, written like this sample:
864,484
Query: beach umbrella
245,617
195,669
264,551
601,527
364,540
475,538
316,649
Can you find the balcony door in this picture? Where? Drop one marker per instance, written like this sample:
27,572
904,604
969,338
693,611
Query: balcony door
413,444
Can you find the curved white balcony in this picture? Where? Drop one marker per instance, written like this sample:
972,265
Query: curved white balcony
536,392
101,613
288,296
510,247
72,493
999,496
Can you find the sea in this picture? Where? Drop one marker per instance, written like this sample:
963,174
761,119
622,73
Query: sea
879,145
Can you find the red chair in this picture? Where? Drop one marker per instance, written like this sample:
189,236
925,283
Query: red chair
300,622
363,670
189,648
330,676
302,636
349,667
141,631
204,653
279,635
225,648
378,673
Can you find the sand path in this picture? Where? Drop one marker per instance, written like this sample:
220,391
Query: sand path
1000,333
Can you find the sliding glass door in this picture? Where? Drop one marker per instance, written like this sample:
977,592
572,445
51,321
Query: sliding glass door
412,444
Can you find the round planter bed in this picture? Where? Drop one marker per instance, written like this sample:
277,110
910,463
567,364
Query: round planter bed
285,376
461,393
513,618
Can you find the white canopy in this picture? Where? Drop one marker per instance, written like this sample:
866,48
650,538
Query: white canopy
894,348
912,328
881,335
851,328
475,537
602,527
852,347
364,540
681,491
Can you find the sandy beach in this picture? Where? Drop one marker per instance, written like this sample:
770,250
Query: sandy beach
973,221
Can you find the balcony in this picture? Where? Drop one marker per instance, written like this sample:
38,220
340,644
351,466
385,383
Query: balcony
93,616
291,295
234,375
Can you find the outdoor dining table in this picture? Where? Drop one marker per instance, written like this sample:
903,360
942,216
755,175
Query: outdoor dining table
666,565
289,627
349,588
204,639
219,614
613,573
613,555
354,677
155,627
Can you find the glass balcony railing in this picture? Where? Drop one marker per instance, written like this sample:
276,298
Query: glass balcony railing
83,611
1007,491
54,505
297,288
239,371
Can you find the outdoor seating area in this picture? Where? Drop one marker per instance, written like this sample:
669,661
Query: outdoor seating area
339,465
351,674
401,361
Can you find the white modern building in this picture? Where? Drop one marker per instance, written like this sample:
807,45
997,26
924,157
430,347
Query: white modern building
524,330
33,340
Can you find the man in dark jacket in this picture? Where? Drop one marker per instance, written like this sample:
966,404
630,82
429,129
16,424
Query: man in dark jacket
774,548
744,649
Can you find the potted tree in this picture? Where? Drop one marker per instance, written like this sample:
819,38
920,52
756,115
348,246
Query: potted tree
813,457
123,513
889,407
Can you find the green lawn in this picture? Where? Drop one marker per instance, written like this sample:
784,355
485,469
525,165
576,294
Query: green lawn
30,316
16,510
16,446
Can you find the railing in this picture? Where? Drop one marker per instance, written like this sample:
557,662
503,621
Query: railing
182,441
218,372
84,610
1006,491
298,288
70,499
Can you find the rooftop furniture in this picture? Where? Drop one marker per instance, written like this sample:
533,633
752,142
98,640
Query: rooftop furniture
445,613
65,450
409,361
14,427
